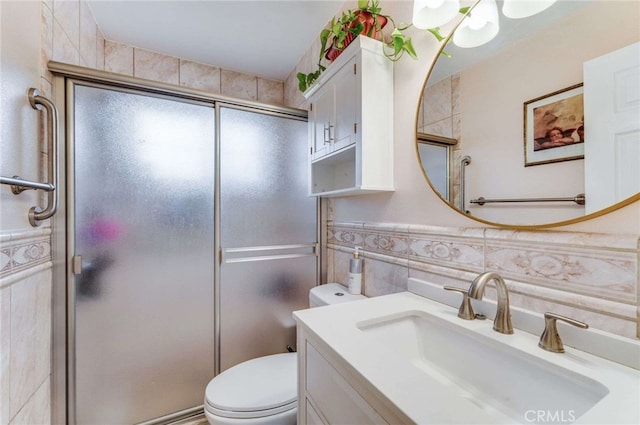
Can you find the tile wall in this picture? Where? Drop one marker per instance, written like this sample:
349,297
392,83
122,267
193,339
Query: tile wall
148,65
588,276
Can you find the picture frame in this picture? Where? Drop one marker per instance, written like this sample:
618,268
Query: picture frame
554,127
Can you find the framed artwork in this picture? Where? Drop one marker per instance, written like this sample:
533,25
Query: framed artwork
554,127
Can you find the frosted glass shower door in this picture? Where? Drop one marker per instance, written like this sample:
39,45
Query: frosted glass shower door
268,232
143,174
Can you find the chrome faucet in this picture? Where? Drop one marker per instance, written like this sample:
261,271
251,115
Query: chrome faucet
502,322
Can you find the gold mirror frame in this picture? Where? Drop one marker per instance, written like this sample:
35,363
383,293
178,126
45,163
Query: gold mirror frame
614,207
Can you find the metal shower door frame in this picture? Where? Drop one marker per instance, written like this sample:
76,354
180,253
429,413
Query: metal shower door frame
62,237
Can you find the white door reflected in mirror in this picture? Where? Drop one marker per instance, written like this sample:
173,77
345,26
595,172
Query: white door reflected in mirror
612,111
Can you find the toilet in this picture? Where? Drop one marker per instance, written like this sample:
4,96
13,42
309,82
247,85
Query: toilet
263,391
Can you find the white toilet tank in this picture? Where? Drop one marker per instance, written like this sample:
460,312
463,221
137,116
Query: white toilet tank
331,293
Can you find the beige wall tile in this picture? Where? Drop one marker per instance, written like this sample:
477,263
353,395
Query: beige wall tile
455,94
199,76
46,32
26,319
5,352
63,48
88,32
156,67
99,49
236,84
67,14
341,267
596,320
383,277
48,4
37,410
118,58
440,128
438,101
271,92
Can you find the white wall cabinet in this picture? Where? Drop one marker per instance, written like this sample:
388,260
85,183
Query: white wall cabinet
351,123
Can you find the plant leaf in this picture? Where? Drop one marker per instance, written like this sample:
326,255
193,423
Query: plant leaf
357,29
302,81
408,47
436,33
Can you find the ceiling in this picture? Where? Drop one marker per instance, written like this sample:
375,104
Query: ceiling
265,38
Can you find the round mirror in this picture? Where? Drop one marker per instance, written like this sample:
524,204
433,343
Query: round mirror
540,125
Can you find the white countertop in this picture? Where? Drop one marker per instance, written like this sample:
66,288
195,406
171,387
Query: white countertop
425,399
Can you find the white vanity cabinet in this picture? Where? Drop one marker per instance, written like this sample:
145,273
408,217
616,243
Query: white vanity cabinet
351,123
331,393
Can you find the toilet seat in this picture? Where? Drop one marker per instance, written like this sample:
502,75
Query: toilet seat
256,388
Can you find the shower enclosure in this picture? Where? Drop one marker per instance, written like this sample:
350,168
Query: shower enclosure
189,239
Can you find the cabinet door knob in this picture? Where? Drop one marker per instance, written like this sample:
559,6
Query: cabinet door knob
326,134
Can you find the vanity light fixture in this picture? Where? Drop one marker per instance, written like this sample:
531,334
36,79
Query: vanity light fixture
434,13
517,9
479,27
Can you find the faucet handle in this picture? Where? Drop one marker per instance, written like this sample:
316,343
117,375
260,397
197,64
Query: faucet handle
550,339
466,310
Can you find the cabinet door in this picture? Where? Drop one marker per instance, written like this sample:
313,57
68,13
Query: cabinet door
346,83
336,401
323,122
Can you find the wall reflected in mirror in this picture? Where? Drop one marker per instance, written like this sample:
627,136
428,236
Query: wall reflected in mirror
477,98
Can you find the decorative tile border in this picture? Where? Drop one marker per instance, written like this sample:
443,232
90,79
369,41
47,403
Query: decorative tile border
602,266
589,275
23,250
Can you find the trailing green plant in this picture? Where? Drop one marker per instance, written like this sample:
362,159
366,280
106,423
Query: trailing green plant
340,31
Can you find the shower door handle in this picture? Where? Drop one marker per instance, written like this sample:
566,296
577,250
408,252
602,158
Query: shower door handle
267,253
76,264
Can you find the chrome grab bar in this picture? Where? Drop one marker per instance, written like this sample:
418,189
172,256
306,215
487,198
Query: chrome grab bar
578,199
18,185
466,160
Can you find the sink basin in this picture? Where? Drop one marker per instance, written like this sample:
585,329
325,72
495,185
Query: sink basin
491,374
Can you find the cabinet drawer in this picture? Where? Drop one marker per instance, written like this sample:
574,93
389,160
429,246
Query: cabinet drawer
336,400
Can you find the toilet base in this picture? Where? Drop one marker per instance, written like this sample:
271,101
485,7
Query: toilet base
288,417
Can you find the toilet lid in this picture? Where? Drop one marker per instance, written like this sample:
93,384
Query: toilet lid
258,386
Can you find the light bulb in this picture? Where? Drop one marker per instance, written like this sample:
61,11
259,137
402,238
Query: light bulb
433,4
480,26
434,13
516,9
476,22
